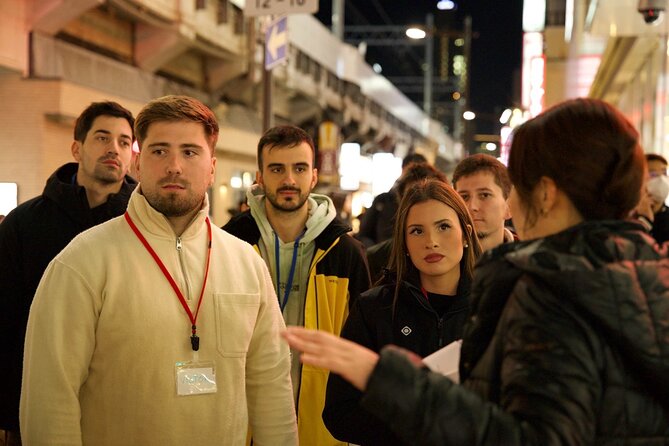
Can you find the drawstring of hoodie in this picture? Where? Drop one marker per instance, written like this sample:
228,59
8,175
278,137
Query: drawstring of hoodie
291,274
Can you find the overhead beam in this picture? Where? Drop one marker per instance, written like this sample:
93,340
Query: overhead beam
155,47
50,16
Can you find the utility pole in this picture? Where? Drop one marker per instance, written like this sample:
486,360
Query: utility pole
338,19
429,64
267,113
467,125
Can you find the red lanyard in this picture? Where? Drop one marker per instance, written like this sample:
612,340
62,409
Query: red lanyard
194,340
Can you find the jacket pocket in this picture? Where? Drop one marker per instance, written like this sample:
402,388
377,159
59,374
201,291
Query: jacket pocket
236,316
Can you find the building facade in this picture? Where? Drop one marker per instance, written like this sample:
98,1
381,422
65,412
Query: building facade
58,56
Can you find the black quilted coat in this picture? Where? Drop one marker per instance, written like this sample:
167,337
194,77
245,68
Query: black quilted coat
568,343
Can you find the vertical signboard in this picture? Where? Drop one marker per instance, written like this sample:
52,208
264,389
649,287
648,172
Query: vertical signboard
276,43
534,72
328,146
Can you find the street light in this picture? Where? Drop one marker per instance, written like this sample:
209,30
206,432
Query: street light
415,33
418,33
446,5
428,34
391,35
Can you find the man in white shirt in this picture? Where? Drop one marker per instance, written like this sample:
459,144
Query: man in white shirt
158,328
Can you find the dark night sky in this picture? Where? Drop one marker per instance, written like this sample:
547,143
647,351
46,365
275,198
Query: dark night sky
496,49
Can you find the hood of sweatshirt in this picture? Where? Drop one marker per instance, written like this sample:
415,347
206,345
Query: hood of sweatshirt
62,189
321,213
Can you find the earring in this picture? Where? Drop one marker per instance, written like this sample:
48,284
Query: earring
543,212
466,245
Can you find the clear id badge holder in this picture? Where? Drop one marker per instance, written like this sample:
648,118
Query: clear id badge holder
195,377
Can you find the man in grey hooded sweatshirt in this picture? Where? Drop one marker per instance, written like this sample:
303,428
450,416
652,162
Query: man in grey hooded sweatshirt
318,270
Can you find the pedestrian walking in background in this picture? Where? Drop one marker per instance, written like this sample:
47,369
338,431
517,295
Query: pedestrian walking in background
652,209
377,223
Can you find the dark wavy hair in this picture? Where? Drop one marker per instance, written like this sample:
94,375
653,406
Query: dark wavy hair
589,149
419,192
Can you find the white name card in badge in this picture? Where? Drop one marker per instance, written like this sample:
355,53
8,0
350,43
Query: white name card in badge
195,378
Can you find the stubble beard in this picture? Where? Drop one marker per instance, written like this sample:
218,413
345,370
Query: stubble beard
106,176
287,206
172,205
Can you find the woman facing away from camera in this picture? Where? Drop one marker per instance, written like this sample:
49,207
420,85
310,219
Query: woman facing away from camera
421,304
568,339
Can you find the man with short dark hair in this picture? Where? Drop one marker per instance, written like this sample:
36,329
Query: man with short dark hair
483,183
317,269
158,328
76,197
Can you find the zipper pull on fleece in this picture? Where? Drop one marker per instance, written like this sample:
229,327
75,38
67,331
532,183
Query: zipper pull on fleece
178,243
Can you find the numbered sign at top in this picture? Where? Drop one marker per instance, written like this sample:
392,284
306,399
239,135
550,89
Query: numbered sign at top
254,8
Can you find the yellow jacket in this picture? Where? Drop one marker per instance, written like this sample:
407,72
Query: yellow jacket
337,275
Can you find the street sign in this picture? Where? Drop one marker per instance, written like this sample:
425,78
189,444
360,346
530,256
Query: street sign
254,8
276,43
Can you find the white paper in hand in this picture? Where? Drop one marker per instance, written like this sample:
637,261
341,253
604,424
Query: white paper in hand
446,360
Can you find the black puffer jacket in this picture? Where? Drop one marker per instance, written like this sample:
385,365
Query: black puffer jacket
30,237
416,326
377,223
568,344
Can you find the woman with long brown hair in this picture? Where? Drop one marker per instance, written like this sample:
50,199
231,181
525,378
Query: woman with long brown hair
421,304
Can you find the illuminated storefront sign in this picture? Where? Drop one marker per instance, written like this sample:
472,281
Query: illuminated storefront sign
537,81
534,73
328,145
349,166
586,70
505,144
534,15
8,197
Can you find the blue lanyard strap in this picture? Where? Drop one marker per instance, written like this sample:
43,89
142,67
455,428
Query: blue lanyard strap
289,283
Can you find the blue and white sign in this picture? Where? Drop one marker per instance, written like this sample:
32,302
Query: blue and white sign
276,43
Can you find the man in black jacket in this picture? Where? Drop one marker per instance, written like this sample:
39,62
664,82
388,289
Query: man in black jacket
76,197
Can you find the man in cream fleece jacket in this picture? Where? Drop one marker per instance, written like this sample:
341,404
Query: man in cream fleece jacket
157,328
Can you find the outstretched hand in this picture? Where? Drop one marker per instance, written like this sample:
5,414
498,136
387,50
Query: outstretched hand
321,349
